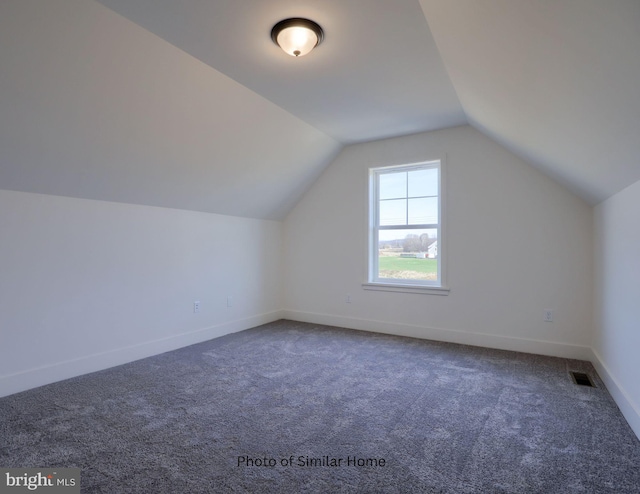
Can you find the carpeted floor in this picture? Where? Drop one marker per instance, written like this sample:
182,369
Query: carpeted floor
336,411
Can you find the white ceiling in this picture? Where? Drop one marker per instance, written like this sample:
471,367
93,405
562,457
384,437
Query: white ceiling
189,104
94,106
377,74
555,81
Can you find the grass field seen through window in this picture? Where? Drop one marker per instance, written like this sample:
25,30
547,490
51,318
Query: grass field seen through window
407,268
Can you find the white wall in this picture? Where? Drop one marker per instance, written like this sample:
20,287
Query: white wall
85,284
616,340
517,243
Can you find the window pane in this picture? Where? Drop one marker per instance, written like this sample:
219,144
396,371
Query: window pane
410,254
393,185
393,212
423,182
423,211
404,200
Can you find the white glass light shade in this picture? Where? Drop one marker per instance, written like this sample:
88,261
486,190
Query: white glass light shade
297,41
297,36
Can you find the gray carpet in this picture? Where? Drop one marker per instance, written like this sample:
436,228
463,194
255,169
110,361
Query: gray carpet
417,416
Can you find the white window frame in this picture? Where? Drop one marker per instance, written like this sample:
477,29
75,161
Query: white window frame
437,287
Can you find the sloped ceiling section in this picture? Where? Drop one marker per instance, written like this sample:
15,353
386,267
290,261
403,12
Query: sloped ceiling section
377,74
555,81
188,104
94,106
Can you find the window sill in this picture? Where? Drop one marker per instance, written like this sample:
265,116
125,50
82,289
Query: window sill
396,287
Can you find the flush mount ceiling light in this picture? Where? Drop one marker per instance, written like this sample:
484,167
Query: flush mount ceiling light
297,36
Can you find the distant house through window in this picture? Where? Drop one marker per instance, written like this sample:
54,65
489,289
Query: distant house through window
405,210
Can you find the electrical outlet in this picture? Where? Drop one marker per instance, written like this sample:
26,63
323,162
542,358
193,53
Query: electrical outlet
548,315
196,306
347,299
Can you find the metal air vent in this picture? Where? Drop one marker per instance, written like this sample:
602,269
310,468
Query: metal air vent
581,379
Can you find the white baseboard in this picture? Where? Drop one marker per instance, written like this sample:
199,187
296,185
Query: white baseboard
538,347
629,409
59,371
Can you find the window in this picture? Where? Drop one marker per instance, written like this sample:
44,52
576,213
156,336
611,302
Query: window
405,242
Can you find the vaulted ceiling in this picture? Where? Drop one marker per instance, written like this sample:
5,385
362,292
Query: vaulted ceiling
189,104
555,81
377,74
